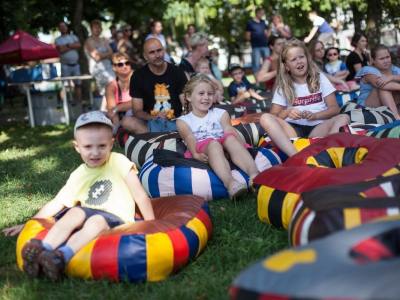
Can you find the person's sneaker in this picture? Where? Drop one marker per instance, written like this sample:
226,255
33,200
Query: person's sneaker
53,264
30,255
236,190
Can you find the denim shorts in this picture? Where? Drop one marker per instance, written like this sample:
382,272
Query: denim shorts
161,125
112,220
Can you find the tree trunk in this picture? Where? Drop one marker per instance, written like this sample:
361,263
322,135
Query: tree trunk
374,21
82,34
357,17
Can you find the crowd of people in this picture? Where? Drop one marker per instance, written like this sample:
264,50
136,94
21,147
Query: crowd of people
161,96
267,40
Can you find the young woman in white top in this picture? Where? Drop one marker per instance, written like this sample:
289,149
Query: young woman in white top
304,102
208,132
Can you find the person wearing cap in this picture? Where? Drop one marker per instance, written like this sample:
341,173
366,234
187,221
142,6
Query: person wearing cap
240,88
100,194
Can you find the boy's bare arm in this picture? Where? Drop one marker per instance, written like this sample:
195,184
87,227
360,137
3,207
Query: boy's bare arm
139,195
240,97
254,94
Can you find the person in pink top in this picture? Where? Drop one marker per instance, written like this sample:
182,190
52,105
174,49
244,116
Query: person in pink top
119,102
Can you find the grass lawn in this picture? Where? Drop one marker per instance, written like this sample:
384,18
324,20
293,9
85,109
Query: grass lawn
35,163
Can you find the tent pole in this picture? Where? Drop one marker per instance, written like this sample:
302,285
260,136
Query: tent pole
30,110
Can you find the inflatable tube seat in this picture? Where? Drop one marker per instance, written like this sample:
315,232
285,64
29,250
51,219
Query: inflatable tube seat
146,250
337,159
361,263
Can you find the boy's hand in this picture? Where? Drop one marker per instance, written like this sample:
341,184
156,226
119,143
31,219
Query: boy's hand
12,231
201,157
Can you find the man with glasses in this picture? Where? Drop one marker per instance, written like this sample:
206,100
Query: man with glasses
156,91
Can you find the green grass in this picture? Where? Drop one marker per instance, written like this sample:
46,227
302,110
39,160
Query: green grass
35,163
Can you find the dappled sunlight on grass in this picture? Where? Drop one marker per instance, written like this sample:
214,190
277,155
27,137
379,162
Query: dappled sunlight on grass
4,137
22,137
53,133
15,153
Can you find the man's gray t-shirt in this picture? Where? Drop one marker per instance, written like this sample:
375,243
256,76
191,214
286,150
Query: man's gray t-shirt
71,56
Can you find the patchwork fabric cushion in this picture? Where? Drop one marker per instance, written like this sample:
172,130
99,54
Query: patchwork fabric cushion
169,173
329,209
337,159
368,115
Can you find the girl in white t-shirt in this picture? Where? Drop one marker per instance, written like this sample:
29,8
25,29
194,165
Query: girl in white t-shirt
208,132
304,102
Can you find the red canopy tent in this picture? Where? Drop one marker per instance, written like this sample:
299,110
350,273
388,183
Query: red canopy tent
22,47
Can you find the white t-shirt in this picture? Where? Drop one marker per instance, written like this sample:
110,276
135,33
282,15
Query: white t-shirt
207,127
318,21
305,100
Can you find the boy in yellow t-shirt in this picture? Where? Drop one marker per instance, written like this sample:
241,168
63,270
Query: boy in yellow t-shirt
100,194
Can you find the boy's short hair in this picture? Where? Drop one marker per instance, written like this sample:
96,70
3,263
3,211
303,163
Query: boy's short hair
92,117
234,67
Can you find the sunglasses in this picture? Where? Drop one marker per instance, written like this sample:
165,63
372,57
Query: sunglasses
121,64
332,54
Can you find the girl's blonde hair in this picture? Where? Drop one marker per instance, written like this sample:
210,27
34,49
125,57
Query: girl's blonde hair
190,86
285,81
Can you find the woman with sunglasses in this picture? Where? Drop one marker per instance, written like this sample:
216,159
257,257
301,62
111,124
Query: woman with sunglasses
380,82
119,104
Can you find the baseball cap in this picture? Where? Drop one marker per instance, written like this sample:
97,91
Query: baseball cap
234,67
90,117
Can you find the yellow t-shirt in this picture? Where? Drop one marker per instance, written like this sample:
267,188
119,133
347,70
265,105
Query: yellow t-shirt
102,188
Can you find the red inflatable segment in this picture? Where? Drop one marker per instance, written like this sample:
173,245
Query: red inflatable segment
296,176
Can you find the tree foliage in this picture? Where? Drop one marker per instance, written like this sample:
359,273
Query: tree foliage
222,18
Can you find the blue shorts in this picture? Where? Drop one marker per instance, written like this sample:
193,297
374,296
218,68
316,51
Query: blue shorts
112,220
161,125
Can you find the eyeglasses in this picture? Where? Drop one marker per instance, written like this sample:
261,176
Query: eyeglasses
332,54
128,29
121,64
